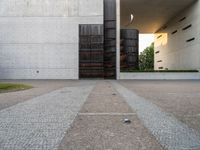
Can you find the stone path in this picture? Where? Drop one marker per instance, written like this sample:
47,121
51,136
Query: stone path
99,125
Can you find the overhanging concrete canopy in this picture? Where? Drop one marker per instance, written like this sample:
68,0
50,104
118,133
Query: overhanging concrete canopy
150,15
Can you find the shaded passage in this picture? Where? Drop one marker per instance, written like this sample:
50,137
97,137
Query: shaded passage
171,133
41,122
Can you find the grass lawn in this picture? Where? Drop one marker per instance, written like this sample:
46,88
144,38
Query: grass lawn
12,87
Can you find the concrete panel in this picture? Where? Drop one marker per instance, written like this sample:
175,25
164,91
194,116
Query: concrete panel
43,30
90,20
190,59
90,7
39,38
38,30
118,39
43,74
34,8
30,58
177,53
73,7
39,56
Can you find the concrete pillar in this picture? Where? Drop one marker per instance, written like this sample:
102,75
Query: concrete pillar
118,40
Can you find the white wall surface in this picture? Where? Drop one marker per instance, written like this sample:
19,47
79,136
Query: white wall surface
174,51
39,38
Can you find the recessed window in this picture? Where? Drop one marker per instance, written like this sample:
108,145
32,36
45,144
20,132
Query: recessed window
157,52
189,26
160,68
182,19
174,31
159,36
189,40
159,61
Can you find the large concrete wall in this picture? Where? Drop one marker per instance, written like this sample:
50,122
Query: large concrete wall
39,38
172,51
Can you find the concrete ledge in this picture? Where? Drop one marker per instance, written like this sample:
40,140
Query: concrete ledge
160,76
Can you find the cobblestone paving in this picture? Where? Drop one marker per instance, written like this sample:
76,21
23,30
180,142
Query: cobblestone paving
41,123
171,133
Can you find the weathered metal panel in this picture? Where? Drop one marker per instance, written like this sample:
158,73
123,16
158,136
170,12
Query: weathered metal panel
129,49
91,51
110,39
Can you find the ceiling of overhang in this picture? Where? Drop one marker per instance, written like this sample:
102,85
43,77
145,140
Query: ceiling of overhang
150,15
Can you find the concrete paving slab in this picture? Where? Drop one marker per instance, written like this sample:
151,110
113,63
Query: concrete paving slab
105,99
100,124
108,133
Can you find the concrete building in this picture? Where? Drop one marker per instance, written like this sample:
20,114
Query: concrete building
39,39
178,42
175,24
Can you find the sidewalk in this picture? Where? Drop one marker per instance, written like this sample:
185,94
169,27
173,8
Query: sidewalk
89,115
99,125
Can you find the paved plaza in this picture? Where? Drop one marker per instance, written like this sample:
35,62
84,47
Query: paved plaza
90,114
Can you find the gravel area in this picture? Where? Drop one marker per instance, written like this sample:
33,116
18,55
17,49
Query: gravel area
171,133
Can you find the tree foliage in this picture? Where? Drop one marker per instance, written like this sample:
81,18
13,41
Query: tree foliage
146,58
